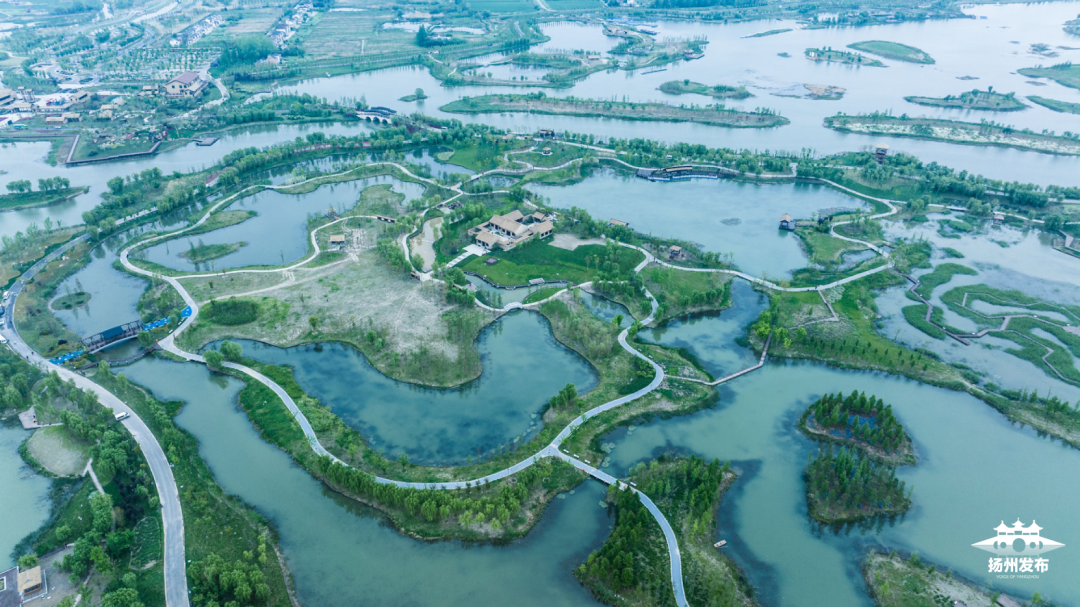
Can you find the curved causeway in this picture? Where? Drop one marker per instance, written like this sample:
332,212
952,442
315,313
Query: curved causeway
553,449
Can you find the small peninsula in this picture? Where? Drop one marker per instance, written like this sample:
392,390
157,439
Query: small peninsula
894,51
973,100
26,199
206,252
829,55
538,103
1065,107
719,91
1065,74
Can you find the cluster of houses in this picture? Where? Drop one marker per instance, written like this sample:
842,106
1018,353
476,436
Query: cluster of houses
195,33
21,103
508,231
18,586
287,27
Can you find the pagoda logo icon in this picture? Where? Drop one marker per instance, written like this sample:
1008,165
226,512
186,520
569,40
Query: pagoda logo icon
1018,540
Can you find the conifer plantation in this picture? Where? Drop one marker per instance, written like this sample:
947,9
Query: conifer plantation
866,422
847,486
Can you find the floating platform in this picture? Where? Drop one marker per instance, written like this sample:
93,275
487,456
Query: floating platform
206,141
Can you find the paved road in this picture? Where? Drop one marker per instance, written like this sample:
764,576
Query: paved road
172,516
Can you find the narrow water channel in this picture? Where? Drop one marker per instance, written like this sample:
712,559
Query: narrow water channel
343,554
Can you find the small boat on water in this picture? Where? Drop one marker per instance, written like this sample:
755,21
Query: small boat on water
720,544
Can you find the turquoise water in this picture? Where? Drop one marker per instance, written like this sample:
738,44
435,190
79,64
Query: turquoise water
727,217
24,500
343,554
975,470
523,366
278,234
113,294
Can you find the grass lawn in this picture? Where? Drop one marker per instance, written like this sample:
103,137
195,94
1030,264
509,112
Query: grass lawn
822,247
893,50
148,542
541,260
59,451
542,294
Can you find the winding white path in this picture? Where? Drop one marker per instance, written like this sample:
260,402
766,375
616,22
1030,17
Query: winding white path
553,448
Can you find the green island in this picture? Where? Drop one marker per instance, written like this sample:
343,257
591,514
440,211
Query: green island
19,198
847,486
206,252
867,423
538,103
1065,74
893,50
829,55
973,100
1065,107
955,131
719,91
631,566
903,582
68,301
769,33
418,95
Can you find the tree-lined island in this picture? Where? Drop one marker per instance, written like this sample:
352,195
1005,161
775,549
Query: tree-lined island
973,100
539,103
719,91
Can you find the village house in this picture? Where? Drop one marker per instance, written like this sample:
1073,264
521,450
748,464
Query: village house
615,223
675,252
508,231
337,240
80,97
787,223
7,97
188,84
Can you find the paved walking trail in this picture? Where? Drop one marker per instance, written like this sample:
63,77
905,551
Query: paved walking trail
175,566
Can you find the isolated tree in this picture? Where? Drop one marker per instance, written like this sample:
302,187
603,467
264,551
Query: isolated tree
214,359
232,351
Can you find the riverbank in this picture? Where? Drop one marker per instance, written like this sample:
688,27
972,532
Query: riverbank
953,131
538,103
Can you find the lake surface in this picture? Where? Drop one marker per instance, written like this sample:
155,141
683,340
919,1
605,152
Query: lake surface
278,234
342,554
27,161
728,217
25,496
964,447
523,366
114,295
990,50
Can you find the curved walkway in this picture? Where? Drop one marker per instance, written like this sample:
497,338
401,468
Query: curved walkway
553,448
172,515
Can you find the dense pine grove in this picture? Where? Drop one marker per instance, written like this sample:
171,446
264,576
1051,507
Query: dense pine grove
846,485
864,419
